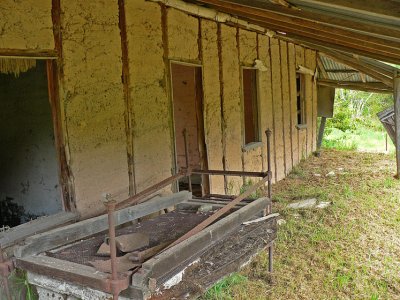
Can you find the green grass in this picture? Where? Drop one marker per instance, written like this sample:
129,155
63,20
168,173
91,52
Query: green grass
19,287
221,290
361,139
350,250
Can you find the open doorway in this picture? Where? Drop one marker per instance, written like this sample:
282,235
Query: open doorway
187,90
29,181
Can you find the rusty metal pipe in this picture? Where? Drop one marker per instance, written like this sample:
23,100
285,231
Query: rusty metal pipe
271,257
220,212
110,204
185,137
268,133
230,173
150,190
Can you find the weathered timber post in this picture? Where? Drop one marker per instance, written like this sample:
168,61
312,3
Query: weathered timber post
321,133
396,94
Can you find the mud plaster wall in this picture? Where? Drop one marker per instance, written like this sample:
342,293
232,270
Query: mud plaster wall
185,114
26,24
248,51
278,110
92,99
293,103
151,107
180,37
231,105
28,159
302,133
287,132
183,39
212,102
265,97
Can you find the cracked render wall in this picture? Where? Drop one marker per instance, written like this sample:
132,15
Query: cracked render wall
92,94
93,102
26,24
151,107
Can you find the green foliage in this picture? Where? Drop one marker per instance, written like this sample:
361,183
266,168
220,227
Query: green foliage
255,195
221,290
20,287
355,125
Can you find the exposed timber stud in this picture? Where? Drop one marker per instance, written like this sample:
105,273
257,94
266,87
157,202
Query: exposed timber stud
321,134
396,94
127,97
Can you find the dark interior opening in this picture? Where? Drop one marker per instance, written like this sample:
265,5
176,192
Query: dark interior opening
188,115
250,103
29,181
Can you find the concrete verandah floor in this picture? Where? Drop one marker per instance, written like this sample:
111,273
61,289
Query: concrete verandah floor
350,250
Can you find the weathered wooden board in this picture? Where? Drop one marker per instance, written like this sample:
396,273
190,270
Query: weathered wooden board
165,264
67,271
86,228
20,232
277,104
287,130
293,102
266,104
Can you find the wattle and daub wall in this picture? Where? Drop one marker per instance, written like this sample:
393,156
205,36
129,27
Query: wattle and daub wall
118,130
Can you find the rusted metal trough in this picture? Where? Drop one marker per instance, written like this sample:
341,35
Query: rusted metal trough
192,243
64,254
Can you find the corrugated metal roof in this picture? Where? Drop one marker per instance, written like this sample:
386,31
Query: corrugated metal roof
332,67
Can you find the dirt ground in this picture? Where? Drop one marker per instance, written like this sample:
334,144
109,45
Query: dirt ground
350,250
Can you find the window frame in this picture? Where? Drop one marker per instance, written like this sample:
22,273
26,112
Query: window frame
256,109
301,93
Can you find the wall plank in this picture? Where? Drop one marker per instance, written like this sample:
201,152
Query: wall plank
287,130
277,102
293,102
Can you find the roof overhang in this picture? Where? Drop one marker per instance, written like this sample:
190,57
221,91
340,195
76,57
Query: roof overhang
354,37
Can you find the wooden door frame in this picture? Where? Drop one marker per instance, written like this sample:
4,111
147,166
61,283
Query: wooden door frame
201,128
64,176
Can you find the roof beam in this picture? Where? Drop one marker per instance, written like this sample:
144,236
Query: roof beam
340,37
341,71
353,63
324,17
321,67
316,43
373,87
387,8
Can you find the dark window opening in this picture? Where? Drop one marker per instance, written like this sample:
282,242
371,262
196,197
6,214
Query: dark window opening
187,90
250,109
29,184
301,113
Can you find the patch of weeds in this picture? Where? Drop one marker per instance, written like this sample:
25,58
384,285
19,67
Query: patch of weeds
297,171
389,182
342,280
20,287
221,290
348,191
255,195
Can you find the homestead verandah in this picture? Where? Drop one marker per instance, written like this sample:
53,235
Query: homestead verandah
137,145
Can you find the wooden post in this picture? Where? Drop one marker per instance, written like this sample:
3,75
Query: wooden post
396,95
321,133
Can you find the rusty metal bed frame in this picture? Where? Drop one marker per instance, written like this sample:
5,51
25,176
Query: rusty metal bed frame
119,282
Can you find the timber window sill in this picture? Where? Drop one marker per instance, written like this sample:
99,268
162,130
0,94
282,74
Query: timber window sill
251,146
301,126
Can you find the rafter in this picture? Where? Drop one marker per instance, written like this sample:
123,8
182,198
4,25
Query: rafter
373,87
325,17
314,30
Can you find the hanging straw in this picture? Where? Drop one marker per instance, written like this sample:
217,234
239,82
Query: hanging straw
16,65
